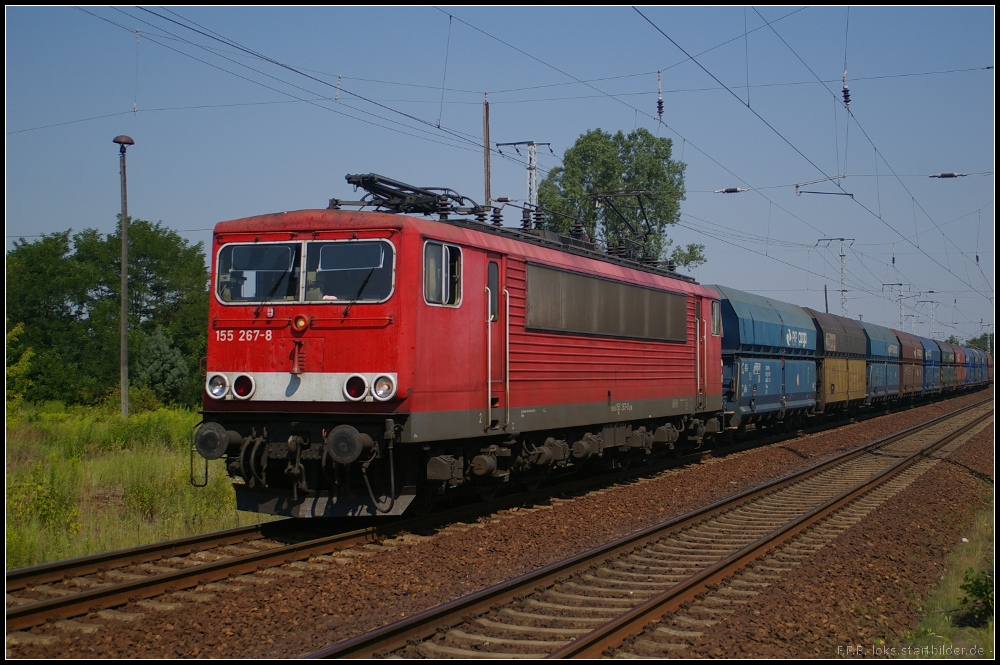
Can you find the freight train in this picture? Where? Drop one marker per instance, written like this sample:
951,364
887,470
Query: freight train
365,362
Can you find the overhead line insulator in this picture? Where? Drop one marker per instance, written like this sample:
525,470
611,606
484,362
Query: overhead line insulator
659,95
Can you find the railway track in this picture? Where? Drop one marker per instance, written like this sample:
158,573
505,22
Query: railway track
64,589
165,575
61,590
692,569
167,571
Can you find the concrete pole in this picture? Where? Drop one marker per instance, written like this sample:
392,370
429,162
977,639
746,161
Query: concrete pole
124,141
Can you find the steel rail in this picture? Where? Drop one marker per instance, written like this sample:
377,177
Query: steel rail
20,578
26,616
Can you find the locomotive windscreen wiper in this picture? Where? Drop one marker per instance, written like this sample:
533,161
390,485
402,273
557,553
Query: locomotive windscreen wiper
274,289
360,290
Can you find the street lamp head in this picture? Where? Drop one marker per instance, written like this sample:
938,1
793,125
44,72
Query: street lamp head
124,141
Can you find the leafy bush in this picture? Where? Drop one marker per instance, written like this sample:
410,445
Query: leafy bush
978,602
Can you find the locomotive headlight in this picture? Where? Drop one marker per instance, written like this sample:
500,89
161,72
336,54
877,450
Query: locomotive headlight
243,386
383,388
218,386
355,388
300,322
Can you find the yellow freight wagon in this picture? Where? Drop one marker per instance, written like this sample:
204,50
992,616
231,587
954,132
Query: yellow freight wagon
841,371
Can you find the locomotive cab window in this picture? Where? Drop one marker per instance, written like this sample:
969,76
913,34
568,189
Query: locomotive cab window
353,270
259,272
442,274
716,318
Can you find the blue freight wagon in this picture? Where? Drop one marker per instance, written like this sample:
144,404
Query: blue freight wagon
882,355
768,359
932,365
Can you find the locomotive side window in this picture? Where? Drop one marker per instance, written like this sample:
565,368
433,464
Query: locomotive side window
442,274
493,284
355,271
562,301
258,272
716,318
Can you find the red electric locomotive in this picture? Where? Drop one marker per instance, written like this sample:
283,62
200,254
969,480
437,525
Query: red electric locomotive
360,360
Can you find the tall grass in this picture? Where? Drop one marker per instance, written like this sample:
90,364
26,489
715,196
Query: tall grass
84,480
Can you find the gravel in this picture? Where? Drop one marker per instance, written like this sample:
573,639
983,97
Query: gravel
864,589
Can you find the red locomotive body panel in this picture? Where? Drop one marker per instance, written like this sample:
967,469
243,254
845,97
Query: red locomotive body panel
546,378
542,379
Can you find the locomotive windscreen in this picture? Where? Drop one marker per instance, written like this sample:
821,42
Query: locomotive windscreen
337,270
560,301
358,270
259,271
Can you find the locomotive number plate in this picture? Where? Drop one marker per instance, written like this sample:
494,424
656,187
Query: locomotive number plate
242,335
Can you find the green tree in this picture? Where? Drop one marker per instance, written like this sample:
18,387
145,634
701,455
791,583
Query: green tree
46,293
984,342
161,367
602,163
66,292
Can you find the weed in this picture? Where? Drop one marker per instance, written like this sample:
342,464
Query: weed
46,492
85,480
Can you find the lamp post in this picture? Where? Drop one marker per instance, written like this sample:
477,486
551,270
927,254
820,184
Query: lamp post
124,141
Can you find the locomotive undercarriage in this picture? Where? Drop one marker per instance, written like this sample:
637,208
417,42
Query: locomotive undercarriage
360,468
301,469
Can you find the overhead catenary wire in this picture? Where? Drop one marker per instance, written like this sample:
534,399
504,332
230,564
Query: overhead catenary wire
279,64
269,87
799,152
877,152
770,202
684,141
472,140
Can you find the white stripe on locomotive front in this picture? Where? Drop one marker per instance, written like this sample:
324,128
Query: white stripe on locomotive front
307,387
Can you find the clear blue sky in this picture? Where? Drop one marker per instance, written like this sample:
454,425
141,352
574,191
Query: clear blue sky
238,112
